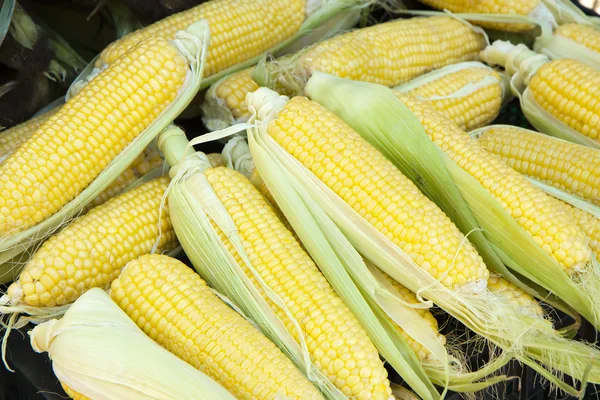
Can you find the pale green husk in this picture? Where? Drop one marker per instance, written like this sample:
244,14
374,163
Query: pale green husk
99,352
6,13
197,38
523,63
395,131
556,47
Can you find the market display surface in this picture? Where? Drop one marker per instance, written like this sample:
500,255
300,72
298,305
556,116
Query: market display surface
299,199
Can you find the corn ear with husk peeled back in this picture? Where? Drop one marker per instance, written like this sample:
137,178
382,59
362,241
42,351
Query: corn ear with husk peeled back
183,314
381,230
96,135
12,138
513,15
390,53
94,336
470,94
236,154
90,252
276,286
243,30
580,42
558,97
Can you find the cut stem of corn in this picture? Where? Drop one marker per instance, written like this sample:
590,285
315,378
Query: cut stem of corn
238,226
557,97
95,336
176,308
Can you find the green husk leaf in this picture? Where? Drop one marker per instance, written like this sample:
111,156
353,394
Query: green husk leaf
192,206
498,226
17,243
565,12
6,13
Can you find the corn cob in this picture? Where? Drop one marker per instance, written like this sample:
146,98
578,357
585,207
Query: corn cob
580,42
91,251
566,166
216,160
515,295
586,35
379,192
13,137
560,95
147,161
470,94
257,26
175,307
74,145
94,336
252,216
516,7
588,223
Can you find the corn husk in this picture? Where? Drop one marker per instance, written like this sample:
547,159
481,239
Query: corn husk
556,47
6,13
531,340
194,204
194,43
98,352
522,64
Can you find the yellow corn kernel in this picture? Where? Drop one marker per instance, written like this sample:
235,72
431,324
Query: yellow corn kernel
469,108
519,7
13,137
377,190
514,295
239,30
529,206
68,151
588,223
337,343
232,91
395,52
145,162
410,298
177,309
569,91
91,251
564,165
586,35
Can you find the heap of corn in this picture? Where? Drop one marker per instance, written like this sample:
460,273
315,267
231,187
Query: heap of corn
367,198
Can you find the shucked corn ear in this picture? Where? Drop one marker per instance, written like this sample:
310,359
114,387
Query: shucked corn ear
412,133
566,166
241,30
286,277
13,137
95,336
580,42
470,93
558,97
175,307
68,151
514,294
551,12
237,277
389,54
105,104
92,250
